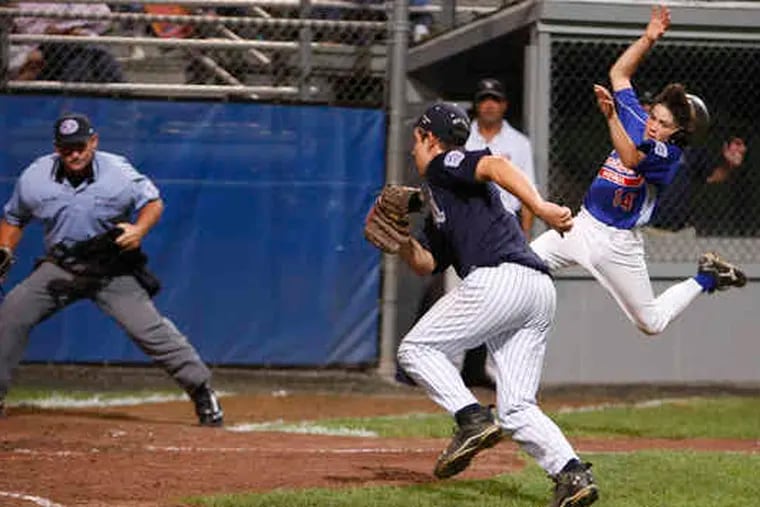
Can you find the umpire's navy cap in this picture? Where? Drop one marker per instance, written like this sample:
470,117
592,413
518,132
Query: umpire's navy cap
490,88
446,121
73,128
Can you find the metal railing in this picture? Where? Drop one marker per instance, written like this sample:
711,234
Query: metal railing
259,54
332,51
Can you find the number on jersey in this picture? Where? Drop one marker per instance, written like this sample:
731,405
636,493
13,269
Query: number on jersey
623,199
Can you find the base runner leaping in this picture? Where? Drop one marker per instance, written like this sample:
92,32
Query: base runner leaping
606,239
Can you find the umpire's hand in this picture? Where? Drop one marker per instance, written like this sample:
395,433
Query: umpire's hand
132,236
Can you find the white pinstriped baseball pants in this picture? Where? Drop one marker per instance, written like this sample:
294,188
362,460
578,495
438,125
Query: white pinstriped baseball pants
615,257
510,308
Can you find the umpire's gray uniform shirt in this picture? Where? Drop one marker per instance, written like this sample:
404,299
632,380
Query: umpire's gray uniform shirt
113,194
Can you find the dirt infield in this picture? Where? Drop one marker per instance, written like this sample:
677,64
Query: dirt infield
153,455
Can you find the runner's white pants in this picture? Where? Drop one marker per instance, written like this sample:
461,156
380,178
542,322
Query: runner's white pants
510,308
615,257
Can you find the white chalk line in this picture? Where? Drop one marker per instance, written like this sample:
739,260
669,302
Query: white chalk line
295,450
36,500
212,450
306,428
103,400
606,406
315,428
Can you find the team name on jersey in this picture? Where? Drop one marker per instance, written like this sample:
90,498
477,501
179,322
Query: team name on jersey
613,162
613,170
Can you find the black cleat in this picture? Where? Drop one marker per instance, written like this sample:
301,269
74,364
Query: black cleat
575,487
475,434
207,407
726,274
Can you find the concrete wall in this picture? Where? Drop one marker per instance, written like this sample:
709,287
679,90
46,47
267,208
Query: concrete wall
716,339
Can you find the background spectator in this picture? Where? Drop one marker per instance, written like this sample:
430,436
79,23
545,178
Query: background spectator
718,201
422,22
491,130
63,62
705,193
169,30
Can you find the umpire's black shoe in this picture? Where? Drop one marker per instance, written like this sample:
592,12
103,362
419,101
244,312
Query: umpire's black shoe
575,487
207,407
474,433
2,409
726,274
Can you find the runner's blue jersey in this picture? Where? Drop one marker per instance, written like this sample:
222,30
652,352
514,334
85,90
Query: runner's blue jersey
623,197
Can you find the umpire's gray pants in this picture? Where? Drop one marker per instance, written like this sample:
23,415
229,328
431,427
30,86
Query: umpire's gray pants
30,302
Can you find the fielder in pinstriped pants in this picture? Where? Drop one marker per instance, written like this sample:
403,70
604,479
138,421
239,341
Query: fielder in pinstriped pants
511,308
506,299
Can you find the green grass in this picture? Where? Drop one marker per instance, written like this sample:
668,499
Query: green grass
729,417
643,479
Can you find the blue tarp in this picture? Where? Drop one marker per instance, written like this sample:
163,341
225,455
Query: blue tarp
260,248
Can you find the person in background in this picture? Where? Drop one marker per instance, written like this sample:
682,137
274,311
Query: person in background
61,61
422,22
720,198
491,130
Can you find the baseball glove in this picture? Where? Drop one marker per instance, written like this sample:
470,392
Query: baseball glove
6,260
387,225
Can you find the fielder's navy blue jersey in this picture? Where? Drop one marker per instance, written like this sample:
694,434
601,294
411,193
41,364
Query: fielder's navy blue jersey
625,197
468,226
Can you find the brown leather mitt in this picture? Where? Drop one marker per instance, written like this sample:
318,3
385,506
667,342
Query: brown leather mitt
387,225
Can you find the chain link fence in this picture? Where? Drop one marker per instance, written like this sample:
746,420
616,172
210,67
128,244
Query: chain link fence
714,202
331,52
321,51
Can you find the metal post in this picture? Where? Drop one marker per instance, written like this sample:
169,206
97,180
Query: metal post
304,52
4,49
448,14
395,159
538,99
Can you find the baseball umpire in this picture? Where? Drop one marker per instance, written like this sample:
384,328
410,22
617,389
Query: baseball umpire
506,299
85,199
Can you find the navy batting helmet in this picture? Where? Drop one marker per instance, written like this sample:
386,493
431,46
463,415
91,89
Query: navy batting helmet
446,121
